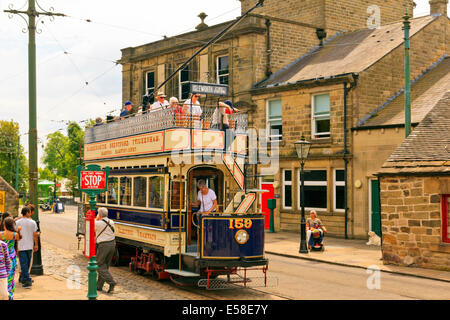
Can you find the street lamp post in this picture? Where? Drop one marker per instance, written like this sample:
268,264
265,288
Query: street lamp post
302,148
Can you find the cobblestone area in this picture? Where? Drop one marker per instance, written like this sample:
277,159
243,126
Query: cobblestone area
72,266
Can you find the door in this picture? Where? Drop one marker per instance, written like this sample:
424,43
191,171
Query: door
375,207
214,181
264,197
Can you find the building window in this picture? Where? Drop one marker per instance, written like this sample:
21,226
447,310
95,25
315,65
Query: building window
320,116
184,83
274,119
140,192
223,71
156,193
287,189
446,218
150,84
339,190
315,189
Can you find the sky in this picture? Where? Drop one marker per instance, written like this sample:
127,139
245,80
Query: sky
77,75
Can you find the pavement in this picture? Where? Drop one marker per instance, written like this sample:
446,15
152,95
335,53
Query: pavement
349,253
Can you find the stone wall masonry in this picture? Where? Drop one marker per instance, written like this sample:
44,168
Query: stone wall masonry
411,223
351,14
332,15
289,42
304,11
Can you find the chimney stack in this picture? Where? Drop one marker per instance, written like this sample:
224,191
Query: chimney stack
438,6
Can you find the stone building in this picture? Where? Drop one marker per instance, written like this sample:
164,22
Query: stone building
294,56
9,198
263,43
358,74
415,195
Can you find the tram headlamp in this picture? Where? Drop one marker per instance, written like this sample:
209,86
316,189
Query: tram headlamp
241,236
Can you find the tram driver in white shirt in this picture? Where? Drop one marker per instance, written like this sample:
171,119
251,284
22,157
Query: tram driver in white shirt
206,199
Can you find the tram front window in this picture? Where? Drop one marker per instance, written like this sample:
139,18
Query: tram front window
140,191
125,191
113,187
156,193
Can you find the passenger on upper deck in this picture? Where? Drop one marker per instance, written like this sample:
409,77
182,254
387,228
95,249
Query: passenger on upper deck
206,199
221,115
194,103
98,122
161,103
192,109
126,111
174,105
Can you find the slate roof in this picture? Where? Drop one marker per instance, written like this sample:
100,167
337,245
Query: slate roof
426,91
349,52
427,148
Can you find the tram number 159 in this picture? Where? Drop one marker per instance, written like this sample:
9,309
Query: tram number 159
240,223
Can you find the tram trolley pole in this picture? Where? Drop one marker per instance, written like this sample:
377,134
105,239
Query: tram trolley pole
92,180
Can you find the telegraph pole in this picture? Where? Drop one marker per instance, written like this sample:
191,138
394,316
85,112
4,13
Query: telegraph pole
406,28
33,19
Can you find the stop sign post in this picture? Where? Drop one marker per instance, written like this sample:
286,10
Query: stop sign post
92,180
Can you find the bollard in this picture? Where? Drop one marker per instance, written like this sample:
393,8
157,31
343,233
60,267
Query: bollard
271,204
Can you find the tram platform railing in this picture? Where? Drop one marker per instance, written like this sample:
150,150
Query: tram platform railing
163,119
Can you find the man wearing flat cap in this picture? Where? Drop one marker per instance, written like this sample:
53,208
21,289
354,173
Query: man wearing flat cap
161,102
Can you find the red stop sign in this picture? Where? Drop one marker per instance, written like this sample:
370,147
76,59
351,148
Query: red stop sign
93,180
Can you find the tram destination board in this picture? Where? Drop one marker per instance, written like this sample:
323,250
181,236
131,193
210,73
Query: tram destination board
209,88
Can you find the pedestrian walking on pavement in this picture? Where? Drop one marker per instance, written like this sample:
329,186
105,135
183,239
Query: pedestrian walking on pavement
27,244
5,268
105,249
10,234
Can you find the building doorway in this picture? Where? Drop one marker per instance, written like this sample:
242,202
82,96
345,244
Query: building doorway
267,184
214,180
374,207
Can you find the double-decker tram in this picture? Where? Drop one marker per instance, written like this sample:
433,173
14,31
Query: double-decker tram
157,160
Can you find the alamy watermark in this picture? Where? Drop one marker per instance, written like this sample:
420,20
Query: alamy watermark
374,280
374,20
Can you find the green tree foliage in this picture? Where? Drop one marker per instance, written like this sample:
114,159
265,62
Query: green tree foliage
9,140
64,153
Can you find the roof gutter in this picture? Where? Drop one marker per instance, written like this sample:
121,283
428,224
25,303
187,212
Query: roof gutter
345,77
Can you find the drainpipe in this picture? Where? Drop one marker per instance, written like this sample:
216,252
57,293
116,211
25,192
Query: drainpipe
268,50
345,153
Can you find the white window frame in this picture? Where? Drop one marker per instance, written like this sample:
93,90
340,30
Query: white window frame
312,183
217,69
337,184
146,81
315,135
270,137
286,183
